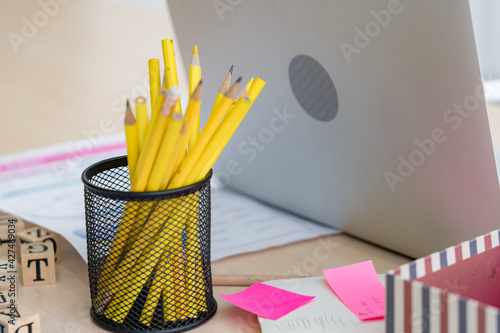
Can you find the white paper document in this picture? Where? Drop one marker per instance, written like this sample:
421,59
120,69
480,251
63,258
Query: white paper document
241,224
325,313
44,186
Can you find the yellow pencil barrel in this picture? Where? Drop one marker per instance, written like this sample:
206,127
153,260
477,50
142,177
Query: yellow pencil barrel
165,153
194,79
170,67
149,153
154,79
255,89
179,149
132,140
141,112
155,112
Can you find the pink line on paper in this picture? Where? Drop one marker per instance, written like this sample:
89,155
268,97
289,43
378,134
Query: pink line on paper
36,161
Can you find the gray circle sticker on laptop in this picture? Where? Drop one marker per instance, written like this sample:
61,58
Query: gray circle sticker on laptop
313,88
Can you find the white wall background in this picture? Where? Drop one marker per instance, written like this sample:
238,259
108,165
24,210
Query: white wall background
486,20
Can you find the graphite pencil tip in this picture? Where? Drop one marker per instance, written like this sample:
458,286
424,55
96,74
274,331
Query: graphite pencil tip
129,116
231,69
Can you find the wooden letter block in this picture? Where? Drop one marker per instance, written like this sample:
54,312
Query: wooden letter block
4,245
19,319
39,235
37,264
7,298
11,223
8,275
9,226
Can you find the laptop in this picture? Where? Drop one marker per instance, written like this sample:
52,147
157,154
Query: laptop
373,119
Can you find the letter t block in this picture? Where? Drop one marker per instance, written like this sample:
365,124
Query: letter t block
37,264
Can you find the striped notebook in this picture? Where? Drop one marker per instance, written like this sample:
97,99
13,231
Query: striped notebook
455,290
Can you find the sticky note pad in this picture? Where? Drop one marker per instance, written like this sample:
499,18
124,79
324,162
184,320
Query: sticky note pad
359,288
266,301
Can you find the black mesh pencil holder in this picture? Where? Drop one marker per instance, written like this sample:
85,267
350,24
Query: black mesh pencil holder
148,253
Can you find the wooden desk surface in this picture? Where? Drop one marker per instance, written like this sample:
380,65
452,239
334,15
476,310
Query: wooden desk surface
67,79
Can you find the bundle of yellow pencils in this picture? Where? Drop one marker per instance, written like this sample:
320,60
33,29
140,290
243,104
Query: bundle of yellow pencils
155,239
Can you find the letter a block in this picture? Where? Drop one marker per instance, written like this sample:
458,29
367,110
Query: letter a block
37,264
39,235
19,319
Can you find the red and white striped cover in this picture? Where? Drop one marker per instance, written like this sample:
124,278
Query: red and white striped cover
413,307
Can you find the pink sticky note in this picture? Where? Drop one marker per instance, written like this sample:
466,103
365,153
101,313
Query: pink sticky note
266,301
359,288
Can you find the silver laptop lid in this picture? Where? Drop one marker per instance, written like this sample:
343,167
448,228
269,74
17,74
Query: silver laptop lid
373,118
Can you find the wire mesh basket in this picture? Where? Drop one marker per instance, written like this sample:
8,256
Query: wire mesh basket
148,252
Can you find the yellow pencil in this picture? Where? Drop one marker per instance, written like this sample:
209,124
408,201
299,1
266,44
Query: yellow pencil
224,87
211,126
152,145
255,89
165,153
155,112
141,112
170,67
206,162
218,140
194,71
194,79
245,90
132,140
193,108
154,79
243,93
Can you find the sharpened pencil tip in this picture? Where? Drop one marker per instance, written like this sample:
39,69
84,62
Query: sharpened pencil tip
239,80
201,82
195,50
231,69
129,116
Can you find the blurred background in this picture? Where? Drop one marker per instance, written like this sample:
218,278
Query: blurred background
71,64
75,63
485,15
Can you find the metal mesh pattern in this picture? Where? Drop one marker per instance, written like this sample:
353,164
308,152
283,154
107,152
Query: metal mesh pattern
148,253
